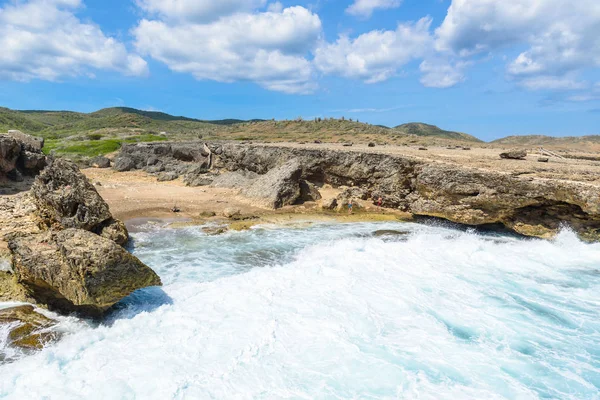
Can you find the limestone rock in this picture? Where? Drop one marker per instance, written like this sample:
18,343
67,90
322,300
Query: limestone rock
77,271
514,154
231,212
31,163
10,149
329,204
167,176
234,180
278,187
64,196
29,143
309,192
31,330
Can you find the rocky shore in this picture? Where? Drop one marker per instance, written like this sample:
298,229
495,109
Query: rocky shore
276,176
62,249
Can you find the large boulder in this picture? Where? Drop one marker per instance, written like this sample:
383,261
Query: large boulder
28,143
10,149
278,187
65,198
77,271
514,154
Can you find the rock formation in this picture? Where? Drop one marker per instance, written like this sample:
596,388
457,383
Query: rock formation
74,270
529,206
66,246
514,154
20,154
30,329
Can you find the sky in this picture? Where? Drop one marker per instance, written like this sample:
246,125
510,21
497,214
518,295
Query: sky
485,67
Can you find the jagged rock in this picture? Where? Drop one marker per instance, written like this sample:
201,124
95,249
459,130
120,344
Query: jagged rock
515,154
31,329
124,164
31,163
10,149
278,187
113,229
100,162
309,192
64,196
194,180
154,169
77,271
28,143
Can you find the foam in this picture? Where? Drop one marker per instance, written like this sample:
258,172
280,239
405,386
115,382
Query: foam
329,312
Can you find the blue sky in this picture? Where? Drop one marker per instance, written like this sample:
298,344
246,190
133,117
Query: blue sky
484,67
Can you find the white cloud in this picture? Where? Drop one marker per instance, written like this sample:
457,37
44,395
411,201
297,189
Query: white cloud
43,39
377,55
365,8
562,37
268,48
441,73
198,10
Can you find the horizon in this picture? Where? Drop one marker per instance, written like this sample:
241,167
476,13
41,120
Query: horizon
520,67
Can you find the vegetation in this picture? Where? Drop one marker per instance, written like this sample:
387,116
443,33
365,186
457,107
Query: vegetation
81,135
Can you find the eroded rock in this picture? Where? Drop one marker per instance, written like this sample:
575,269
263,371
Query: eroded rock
31,329
277,188
77,271
514,154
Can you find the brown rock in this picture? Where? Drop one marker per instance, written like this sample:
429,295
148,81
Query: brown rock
77,271
515,154
31,330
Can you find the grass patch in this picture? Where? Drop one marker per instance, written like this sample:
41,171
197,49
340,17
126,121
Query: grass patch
95,147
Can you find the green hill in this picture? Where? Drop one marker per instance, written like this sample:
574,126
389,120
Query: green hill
103,131
421,129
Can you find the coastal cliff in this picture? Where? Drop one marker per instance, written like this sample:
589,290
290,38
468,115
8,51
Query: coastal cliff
527,205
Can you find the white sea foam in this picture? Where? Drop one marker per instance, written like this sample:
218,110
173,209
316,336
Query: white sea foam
330,312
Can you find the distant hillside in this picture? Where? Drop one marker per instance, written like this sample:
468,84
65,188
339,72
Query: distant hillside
421,129
581,143
103,131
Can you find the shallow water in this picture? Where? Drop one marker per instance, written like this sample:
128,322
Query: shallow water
328,311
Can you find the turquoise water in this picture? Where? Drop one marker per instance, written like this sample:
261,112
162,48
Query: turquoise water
328,311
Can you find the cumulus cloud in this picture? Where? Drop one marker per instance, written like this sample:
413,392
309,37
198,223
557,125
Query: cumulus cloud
377,55
268,48
562,37
198,10
441,73
365,8
43,39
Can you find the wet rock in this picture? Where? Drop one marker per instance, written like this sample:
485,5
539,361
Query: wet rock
31,329
77,271
100,162
389,232
515,154
309,192
278,187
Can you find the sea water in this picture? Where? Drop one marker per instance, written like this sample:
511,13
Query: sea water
330,311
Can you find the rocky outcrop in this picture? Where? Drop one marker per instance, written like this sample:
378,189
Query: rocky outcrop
77,271
530,206
66,246
65,198
20,154
277,188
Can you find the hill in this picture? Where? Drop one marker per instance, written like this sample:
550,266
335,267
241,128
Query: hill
421,129
589,143
103,131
